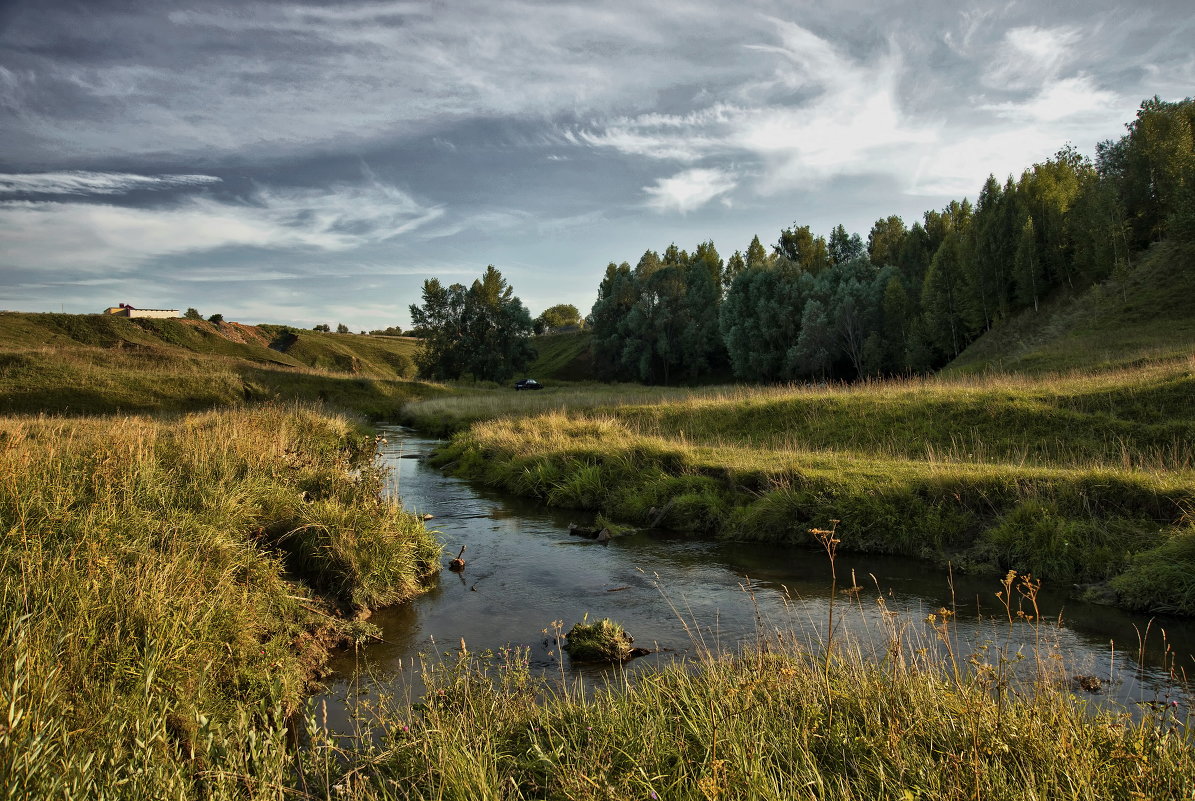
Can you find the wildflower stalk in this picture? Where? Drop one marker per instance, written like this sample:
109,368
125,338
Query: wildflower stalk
829,541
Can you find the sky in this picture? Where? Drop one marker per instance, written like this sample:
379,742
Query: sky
316,162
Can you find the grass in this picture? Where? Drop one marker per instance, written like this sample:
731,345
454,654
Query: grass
173,584
909,713
563,357
94,364
77,379
377,357
1144,318
1076,478
600,641
911,718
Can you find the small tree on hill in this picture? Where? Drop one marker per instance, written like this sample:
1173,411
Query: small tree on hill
321,327
192,314
216,318
558,316
341,328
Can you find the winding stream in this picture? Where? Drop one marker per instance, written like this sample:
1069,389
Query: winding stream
678,594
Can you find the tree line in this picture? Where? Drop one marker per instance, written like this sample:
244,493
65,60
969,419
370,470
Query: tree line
911,297
907,300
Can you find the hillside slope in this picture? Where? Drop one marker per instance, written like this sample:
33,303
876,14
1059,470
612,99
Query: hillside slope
1147,317
379,357
88,363
563,357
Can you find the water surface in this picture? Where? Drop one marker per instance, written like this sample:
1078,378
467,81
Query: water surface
526,579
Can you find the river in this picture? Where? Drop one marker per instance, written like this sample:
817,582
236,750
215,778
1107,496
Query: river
678,594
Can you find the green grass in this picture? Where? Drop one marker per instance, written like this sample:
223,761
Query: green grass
77,379
95,364
169,583
1079,478
562,357
1145,318
776,721
600,641
903,712
375,357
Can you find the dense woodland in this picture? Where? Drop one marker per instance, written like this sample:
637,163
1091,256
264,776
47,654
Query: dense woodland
910,298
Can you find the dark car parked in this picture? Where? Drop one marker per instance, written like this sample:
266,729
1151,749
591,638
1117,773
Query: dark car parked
528,383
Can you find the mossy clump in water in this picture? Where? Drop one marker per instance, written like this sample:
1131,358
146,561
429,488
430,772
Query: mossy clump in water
603,641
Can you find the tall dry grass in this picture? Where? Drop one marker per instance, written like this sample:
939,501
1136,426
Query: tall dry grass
1078,478
169,584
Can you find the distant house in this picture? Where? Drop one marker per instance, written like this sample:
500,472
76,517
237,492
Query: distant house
125,310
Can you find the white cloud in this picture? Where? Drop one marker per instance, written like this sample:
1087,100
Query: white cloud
1062,99
43,236
846,118
79,182
291,76
689,190
1030,56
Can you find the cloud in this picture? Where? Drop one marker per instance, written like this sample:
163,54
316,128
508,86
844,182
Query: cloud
689,190
1062,99
80,182
77,236
287,77
1030,56
822,114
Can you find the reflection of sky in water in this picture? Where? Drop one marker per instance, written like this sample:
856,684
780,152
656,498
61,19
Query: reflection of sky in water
678,595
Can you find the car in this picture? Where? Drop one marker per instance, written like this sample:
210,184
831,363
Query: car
528,383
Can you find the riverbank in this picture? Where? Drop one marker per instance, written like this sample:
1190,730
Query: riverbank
170,583
171,587
772,722
1078,479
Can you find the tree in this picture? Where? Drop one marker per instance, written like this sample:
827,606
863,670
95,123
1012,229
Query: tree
192,314
757,254
216,318
321,327
700,340
814,349
481,331
558,316
897,315
706,255
1028,271
844,247
801,247
884,241
734,265
1153,166
341,328
942,297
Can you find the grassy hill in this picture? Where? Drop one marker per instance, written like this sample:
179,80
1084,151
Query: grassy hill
1146,317
379,357
89,363
563,357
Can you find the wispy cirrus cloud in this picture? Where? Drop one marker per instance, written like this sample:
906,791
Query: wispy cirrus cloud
102,236
689,190
292,76
82,182
1031,55
1067,98
822,113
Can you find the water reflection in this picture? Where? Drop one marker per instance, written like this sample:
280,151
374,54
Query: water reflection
677,595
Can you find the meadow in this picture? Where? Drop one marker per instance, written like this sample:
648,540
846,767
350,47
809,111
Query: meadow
1081,478
190,531
165,579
